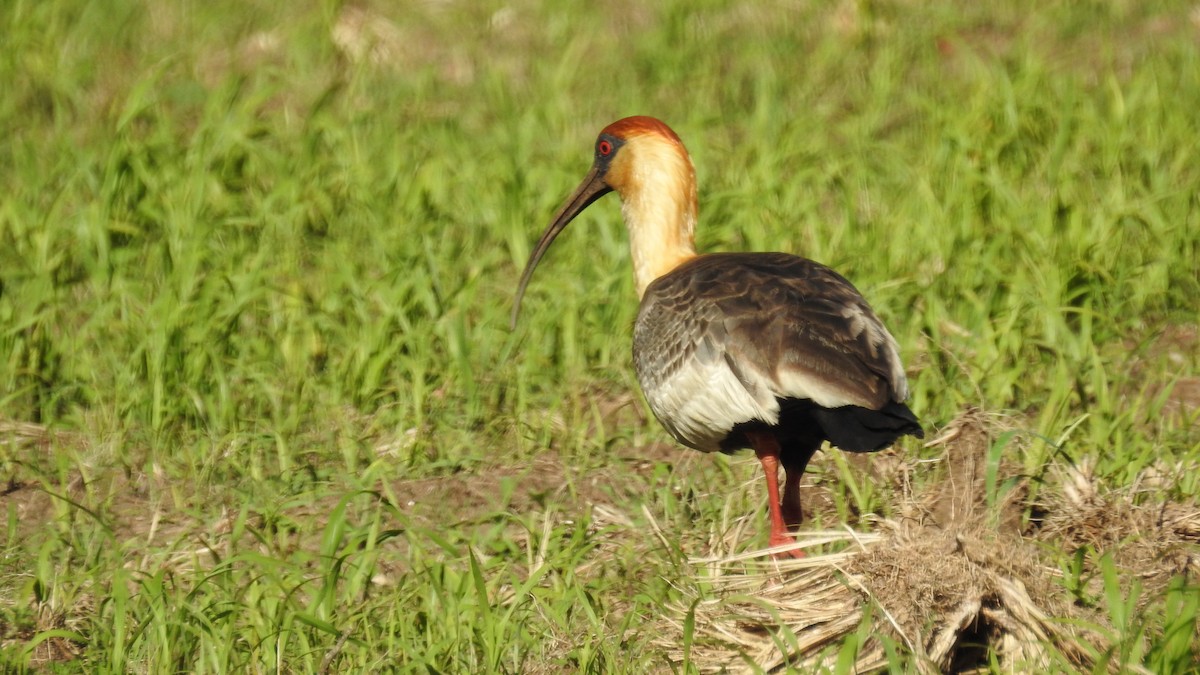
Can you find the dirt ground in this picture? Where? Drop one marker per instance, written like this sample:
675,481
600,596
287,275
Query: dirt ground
966,564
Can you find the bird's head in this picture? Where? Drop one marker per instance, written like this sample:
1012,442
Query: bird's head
644,161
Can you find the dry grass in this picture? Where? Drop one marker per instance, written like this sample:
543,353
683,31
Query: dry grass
949,578
946,577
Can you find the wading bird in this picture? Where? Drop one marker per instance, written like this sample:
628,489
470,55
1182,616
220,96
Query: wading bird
739,350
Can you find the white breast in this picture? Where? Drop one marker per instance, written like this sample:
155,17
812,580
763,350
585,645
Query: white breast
702,400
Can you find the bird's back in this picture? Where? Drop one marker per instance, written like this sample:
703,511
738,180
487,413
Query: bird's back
729,341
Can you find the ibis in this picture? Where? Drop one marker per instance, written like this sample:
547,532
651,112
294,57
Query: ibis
765,351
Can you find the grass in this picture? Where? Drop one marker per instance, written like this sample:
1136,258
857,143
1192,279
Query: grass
260,410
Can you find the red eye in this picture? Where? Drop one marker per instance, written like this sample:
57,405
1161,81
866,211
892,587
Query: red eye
604,148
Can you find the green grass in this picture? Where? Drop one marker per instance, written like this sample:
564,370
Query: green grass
260,410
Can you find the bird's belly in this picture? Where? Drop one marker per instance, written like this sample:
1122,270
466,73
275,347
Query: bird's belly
700,403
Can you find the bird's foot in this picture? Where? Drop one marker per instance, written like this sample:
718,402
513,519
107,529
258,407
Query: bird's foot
779,539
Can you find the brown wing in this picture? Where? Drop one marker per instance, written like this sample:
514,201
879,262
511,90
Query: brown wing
784,325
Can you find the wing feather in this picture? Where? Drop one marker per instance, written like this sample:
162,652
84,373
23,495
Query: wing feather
779,326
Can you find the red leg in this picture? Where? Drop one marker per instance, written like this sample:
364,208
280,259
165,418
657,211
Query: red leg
767,449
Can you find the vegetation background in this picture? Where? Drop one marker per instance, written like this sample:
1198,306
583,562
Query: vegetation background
260,410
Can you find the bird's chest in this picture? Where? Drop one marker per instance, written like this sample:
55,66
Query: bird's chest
681,364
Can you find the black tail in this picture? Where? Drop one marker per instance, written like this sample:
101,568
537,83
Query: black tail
864,430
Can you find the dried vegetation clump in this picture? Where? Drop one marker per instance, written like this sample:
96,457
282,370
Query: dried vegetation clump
959,574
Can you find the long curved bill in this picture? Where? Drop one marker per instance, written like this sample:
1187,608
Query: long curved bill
592,188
